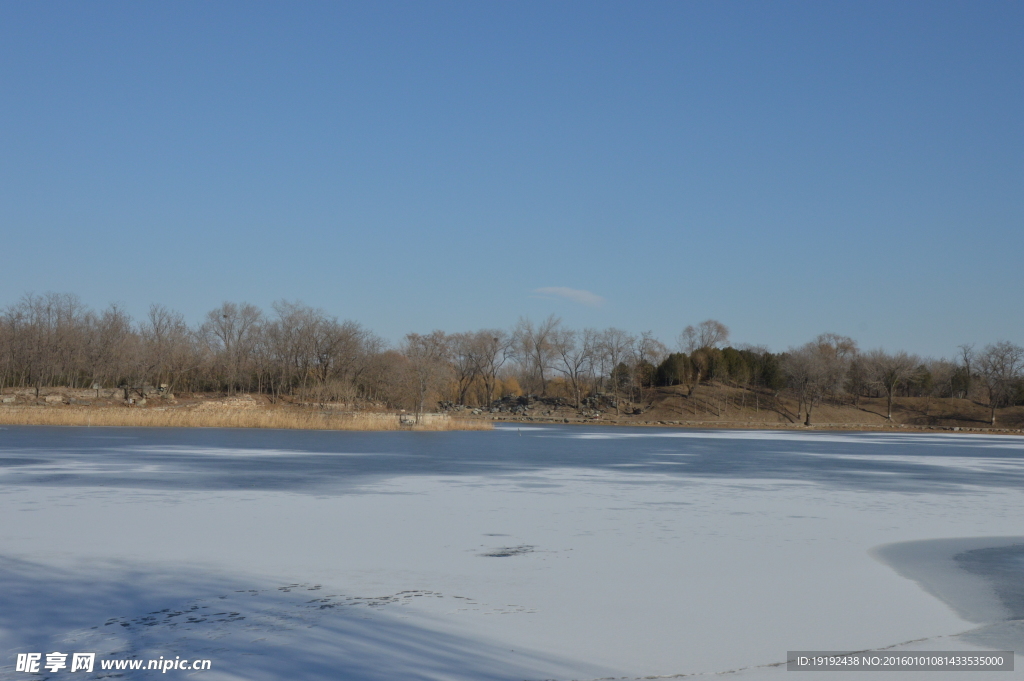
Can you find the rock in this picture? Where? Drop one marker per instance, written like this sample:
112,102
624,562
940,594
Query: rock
8,400
54,399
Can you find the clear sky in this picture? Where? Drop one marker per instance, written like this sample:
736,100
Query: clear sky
788,168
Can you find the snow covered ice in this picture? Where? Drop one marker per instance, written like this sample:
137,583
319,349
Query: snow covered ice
533,553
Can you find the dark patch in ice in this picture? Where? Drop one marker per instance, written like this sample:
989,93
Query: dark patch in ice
1003,568
193,617
12,461
508,551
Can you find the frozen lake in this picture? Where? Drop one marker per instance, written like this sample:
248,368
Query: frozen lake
533,553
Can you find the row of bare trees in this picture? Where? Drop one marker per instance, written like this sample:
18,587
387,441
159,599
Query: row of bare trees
297,351
831,366
54,340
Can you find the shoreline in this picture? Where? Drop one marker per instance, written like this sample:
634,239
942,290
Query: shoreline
249,418
747,425
259,417
711,406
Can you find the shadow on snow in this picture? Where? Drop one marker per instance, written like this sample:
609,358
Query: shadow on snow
248,631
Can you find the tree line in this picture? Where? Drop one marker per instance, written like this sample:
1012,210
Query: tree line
301,353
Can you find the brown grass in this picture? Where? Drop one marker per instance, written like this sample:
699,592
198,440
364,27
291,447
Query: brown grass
248,418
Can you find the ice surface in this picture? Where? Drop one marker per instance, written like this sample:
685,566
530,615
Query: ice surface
543,553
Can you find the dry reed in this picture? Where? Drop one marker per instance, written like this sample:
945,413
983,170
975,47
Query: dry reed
247,418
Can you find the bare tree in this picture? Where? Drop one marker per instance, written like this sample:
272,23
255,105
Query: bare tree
889,372
575,357
710,333
967,360
805,375
232,332
306,350
489,349
817,369
17,338
612,349
116,355
647,352
835,353
464,364
943,374
857,378
1000,366
533,346
54,337
387,378
698,341
169,347
649,349
350,345
429,359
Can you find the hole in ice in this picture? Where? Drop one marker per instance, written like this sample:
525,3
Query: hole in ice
508,551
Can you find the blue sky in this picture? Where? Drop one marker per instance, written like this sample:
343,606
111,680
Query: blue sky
787,168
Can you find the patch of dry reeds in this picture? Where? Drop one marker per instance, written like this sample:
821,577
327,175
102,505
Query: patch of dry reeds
247,418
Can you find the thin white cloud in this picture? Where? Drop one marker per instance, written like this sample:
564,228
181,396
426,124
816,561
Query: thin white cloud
575,295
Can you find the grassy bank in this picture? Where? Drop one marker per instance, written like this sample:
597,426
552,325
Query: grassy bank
247,418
